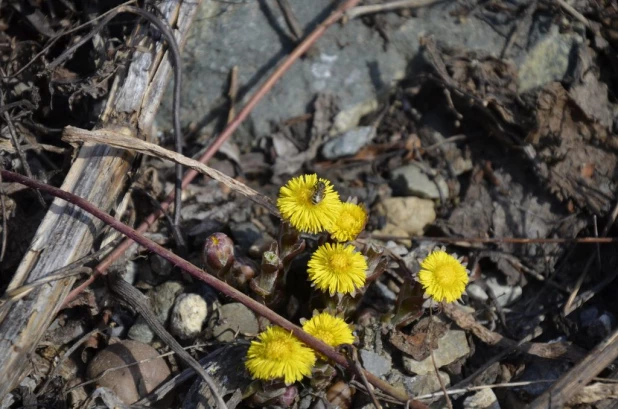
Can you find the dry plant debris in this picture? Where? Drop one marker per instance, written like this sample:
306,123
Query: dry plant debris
313,282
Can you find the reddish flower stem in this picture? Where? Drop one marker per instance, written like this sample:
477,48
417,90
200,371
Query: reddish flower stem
227,132
191,269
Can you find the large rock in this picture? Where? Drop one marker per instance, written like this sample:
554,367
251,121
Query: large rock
129,383
410,214
451,347
350,60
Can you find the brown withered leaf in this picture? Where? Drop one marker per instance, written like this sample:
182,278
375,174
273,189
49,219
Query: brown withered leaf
421,341
566,139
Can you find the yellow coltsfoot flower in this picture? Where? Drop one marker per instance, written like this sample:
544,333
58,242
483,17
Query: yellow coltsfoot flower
329,329
349,222
443,276
278,354
337,268
308,203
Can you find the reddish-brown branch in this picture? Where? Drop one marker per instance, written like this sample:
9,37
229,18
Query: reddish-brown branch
208,279
227,132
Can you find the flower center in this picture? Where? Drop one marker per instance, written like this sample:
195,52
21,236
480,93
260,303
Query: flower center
347,221
280,349
445,276
339,262
324,335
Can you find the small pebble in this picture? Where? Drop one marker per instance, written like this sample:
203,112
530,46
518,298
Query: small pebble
188,315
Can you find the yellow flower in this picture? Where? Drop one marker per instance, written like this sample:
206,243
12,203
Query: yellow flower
332,330
309,203
278,354
337,268
349,222
443,277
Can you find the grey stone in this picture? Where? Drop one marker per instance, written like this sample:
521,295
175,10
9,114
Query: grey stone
548,61
140,331
451,347
410,180
231,319
476,292
483,399
410,214
160,266
347,144
505,294
161,299
188,315
245,234
251,35
426,384
375,363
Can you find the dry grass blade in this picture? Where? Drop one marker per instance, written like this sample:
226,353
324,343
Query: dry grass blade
390,6
117,140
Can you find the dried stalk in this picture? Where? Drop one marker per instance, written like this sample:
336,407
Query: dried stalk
117,140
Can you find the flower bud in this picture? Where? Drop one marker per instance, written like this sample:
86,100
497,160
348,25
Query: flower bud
265,283
289,397
340,395
218,254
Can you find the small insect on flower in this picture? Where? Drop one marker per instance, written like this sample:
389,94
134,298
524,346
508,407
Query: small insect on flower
319,190
308,203
332,330
278,354
337,268
443,276
350,221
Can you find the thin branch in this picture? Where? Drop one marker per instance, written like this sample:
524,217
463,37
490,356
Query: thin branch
569,9
393,5
570,305
194,271
480,387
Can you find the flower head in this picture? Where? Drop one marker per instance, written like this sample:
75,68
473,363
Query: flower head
309,203
349,222
337,268
443,277
332,330
278,354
